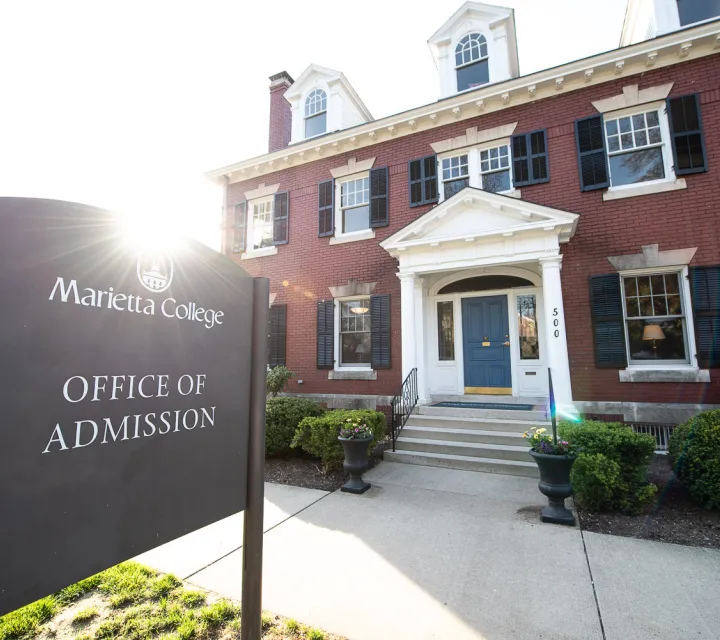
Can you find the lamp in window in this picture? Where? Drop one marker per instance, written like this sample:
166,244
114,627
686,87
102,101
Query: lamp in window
361,350
653,332
360,309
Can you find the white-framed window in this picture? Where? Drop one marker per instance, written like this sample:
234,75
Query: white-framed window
354,339
471,62
455,174
495,171
315,113
638,147
354,205
260,224
655,309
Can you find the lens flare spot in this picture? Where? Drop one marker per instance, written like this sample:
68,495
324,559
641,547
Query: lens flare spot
286,283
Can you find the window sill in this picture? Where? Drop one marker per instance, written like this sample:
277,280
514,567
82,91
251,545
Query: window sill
513,193
355,236
664,374
630,191
353,374
259,253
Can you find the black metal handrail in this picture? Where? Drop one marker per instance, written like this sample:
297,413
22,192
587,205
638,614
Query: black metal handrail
403,404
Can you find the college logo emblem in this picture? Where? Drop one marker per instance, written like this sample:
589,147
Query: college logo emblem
155,271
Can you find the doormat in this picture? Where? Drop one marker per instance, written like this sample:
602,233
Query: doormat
484,405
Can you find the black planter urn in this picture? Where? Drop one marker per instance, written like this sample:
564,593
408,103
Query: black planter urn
356,463
555,484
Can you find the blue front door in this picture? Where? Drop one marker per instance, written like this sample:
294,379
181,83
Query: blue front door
486,340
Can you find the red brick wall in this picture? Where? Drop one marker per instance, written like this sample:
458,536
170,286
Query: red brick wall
303,269
280,118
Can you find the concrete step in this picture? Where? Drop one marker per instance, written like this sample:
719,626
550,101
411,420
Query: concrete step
453,412
463,435
485,424
439,397
468,463
472,449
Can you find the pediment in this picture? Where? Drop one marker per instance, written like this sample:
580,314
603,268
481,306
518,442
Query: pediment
485,13
473,214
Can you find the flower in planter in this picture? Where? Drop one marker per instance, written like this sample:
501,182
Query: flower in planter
541,442
355,431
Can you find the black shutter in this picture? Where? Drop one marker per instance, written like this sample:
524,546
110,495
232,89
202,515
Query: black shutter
530,158
379,198
686,134
325,334
326,213
521,164
276,336
705,287
380,331
608,323
239,227
592,159
281,211
422,177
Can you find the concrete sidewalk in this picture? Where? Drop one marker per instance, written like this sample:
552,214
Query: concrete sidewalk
446,554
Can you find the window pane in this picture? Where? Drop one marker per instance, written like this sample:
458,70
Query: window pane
654,136
630,286
626,140
646,308
672,284
674,308
451,188
315,125
495,182
632,308
613,143
638,121
659,306
695,10
527,326
670,347
446,331
652,119
641,138
658,284
356,348
643,285
611,127
356,219
473,75
625,125
637,166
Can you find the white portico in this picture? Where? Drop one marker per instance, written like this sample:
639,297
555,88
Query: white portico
481,299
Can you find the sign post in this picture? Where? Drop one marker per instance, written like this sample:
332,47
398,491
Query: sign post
251,625
132,398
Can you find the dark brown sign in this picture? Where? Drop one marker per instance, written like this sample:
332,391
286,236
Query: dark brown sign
124,391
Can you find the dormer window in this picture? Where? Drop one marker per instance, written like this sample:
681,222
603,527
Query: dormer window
471,62
315,113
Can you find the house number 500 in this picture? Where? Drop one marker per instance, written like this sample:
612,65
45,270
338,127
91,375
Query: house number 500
556,323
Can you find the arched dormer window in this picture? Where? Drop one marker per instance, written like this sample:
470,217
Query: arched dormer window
315,113
471,62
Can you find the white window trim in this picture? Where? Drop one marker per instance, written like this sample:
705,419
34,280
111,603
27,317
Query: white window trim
474,175
670,182
337,338
685,302
352,236
250,251
317,113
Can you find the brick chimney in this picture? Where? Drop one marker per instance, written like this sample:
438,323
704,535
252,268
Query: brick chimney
280,113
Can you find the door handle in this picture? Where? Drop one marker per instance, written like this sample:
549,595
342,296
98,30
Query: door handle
506,343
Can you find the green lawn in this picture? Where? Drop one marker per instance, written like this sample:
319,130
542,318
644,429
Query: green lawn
133,602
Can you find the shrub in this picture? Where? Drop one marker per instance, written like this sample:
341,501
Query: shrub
319,436
594,479
277,378
626,490
282,418
694,450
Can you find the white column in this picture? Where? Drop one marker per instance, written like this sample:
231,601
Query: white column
407,322
419,336
555,338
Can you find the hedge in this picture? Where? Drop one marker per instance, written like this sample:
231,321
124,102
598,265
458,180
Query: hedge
694,451
282,418
319,436
611,470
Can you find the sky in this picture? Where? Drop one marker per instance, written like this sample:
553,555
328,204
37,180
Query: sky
125,104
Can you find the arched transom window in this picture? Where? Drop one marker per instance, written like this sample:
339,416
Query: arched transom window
315,113
471,62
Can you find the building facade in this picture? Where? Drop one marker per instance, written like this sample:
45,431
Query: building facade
564,220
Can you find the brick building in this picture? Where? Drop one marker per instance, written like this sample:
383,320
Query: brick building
565,219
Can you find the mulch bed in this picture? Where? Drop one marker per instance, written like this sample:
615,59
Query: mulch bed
673,518
307,472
